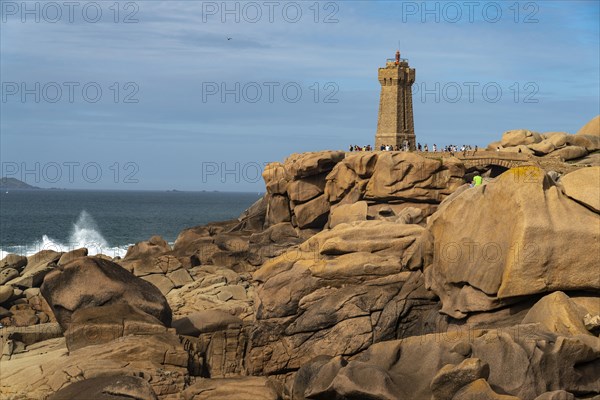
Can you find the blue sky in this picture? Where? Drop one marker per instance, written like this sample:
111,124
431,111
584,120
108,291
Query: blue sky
170,54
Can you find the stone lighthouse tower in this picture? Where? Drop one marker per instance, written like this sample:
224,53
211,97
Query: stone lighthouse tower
395,123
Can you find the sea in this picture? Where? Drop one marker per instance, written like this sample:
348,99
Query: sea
106,222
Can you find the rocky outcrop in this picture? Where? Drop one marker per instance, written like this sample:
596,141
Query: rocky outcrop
20,277
154,262
412,178
518,363
560,145
510,248
306,189
295,189
38,265
302,195
231,245
214,288
67,289
159,358
154,245
341,291
117,326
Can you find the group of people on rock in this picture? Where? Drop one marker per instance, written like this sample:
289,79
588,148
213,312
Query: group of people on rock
359,148
384,147
389,147
451,148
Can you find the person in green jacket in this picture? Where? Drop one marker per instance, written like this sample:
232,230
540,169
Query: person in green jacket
477,180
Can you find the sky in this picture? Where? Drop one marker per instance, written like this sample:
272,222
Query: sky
200,95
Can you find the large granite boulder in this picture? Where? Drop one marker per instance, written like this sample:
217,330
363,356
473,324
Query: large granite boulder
38,266
569,153
253,218
592,128
520,362
93,282
14,261
542,148
339,292
152,247
410,177
558,313
278,209
303,190
71,255
312,214
451,377
187,237
519,137
307,164
590,143
583,186
276,178
499,241
557,139
6,292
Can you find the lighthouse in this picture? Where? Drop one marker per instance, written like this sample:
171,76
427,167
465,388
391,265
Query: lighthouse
395,123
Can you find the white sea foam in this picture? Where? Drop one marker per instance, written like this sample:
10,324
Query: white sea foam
84,233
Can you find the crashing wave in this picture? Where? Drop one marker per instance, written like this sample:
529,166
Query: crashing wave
85,233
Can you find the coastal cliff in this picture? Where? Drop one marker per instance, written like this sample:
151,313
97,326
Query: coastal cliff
360,275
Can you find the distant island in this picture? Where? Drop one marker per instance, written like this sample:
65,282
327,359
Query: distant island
13,183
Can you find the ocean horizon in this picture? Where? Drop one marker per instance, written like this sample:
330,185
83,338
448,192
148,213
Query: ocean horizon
107,221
